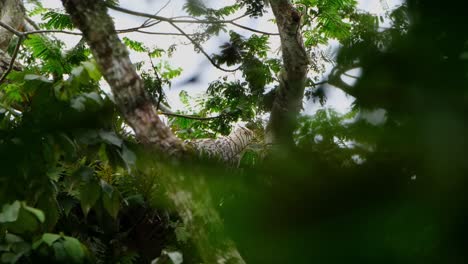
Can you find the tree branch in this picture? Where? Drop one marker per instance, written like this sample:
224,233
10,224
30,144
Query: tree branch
193,117
189,196
198,46
119,31
12,13
128,88
13,59
190,21
11,29
292,78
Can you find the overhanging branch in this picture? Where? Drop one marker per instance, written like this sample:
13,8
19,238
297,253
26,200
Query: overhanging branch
292,78
190,21
13,59
205,228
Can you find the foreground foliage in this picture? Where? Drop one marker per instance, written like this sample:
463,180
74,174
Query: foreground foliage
76,187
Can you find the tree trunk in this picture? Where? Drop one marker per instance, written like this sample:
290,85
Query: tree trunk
127,87
12,14
189,195
288,98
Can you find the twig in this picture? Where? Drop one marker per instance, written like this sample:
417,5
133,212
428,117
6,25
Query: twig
160,97
319,83
161,33
12,30
166,110
253,29
191,21
26,33
196,44
119,31
13,58
32,23
193,117
159,11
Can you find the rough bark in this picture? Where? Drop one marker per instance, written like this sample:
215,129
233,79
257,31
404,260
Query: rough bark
288,98
127,87
12,14
188,195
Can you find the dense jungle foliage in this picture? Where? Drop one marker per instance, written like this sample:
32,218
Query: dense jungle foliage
76,186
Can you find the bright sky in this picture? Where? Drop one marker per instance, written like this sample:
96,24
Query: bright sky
195,64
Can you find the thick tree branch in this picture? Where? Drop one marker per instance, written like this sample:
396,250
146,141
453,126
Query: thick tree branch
11,20
12,14
187,195
288,99
128,88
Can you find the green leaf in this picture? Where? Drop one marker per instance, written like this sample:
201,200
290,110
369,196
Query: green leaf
10,212
36,212
90,192
92,70
78,71
85,173
60,253
33,77
54,173
68,146
156,53
94,96
135,45
250,158
110,199
67,204
135,200
49,51
112,2
74,249
8,257
49,205
50,238
55,20
111,138
12,238
78,103
184,97
195,7
171,73
13,93
128,156
28,220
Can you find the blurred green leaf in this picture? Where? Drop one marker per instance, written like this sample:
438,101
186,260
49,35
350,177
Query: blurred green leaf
90,192
10,212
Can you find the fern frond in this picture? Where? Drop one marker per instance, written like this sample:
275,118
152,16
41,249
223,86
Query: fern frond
77,54
129,258
195,7
135,45
56,20
43,48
